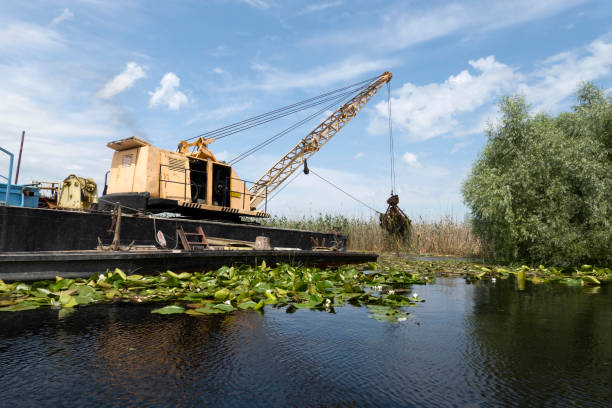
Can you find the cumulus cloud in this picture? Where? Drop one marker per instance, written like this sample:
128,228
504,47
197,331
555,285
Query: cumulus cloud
431,110
462,104
558,76
412,159
359,155
218,70
168,94
66,14
125,80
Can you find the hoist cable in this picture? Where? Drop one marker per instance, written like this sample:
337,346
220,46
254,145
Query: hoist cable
282,109
391,147
266,142
229,132
285,185
348,194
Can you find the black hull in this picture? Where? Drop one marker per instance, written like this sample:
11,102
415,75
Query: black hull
82,264
36,229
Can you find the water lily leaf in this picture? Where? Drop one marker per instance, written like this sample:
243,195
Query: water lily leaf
315,300
171,309
85,290
224,306
572,282
206,310
590,280
270,297
20,307
259,305
134,277
21,287
67,300
247,305
184,275
300,286
83,300
324,285
222,294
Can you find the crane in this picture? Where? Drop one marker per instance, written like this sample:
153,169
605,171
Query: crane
313,142
192,182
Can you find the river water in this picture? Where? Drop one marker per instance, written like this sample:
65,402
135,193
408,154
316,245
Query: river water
480,345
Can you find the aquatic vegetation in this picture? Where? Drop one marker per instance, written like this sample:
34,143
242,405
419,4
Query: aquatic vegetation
228,289
586,275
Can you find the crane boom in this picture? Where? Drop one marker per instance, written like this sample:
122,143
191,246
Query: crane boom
312,142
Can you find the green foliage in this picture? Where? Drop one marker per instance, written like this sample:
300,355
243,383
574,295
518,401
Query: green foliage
541,190
225,290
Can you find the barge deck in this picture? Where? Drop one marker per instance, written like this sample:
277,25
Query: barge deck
28,266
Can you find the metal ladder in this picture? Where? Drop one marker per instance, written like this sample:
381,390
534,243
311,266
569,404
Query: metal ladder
188,245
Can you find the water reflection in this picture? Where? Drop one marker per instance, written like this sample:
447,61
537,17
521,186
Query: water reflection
468,345
550,344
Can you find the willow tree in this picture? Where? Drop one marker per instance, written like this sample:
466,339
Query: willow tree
541,190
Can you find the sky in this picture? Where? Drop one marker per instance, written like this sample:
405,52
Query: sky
76,75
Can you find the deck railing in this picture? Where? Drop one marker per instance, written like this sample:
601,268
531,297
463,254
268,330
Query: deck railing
10,176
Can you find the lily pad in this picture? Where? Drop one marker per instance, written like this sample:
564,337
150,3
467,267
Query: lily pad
172,309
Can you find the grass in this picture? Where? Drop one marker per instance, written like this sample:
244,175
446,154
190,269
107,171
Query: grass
446,236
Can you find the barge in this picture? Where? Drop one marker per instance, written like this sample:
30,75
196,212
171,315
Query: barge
155,199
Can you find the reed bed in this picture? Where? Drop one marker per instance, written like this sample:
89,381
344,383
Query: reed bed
447,236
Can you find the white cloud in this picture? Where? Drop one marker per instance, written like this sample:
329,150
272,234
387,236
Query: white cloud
23,37
400,27
322,6
359,155
168,94
558,76
431,110
218,70
262,4
125,80
274,79
412,159
66,14
448,108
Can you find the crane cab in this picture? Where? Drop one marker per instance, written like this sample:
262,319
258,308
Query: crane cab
195,184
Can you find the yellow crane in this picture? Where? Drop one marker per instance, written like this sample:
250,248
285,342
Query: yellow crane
193,182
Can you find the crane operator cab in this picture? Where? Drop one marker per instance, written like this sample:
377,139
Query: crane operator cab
192,183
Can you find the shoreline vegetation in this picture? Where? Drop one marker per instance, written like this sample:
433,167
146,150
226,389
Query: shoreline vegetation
445,237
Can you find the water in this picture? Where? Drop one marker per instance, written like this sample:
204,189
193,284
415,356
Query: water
482,345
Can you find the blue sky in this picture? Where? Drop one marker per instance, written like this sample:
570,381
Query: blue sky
77,74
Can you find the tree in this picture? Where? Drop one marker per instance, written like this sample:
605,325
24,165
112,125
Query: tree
541,190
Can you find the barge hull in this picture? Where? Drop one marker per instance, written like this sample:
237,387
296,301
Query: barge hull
38,229
29,266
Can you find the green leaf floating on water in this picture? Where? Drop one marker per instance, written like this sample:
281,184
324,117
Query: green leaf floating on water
225,307
226,290
20,307
172,309
67,300
247,305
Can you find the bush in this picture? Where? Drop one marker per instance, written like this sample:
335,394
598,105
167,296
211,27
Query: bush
541,190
